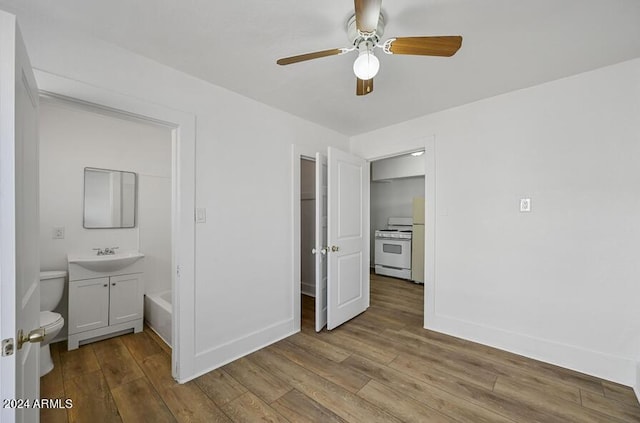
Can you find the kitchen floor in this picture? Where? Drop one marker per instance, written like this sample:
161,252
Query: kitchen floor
379,367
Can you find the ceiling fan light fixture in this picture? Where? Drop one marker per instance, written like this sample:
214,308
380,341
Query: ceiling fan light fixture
366,65
364,32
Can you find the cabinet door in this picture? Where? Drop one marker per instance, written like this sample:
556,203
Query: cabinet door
88,305
126,298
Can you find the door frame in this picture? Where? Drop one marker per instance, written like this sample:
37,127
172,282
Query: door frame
427,143
183,129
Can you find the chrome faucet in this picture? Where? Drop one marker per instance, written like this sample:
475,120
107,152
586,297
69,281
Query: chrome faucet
109,251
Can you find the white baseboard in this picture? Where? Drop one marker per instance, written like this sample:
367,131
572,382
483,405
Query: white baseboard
308,289
605,366
226,353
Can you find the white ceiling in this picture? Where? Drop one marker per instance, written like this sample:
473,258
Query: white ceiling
508,44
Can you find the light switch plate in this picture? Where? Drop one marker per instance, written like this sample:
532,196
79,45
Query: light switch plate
525,205
58,232
201,215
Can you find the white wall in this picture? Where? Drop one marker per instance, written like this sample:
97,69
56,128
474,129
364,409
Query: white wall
308,226
154,233
243,261
72,139
392,198
560,283
403,166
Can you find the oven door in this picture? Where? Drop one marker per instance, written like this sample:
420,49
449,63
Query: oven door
393,253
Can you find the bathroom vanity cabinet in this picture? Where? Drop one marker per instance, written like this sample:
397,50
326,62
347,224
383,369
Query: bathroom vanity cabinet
101,306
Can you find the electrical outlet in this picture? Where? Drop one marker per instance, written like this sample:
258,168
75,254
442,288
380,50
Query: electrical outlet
58,232
525,205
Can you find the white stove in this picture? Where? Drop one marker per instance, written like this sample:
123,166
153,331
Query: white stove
393,248
393,234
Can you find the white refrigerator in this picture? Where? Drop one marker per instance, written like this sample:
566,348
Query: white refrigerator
417,247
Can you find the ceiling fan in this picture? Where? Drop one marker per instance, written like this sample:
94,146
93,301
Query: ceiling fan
364,30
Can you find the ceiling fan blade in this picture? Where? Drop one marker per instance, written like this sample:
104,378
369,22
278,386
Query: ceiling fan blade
311,56
364,87
367,14
424,46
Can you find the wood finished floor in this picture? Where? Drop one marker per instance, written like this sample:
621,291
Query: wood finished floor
379,367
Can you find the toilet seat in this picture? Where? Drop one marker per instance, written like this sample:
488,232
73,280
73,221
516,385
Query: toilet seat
50,320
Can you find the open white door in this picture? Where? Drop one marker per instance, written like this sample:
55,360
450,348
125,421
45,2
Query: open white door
321,241
348,281
19,227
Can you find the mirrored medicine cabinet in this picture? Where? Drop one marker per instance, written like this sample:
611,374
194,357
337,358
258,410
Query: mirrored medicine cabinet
109,198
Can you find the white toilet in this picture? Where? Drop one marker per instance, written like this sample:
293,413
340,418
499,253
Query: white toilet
51,290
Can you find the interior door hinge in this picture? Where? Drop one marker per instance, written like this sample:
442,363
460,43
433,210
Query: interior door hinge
178,271
7,347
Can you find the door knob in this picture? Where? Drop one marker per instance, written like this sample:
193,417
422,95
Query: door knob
334,248
36,335
323,251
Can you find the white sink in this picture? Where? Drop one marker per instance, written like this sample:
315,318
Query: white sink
106,263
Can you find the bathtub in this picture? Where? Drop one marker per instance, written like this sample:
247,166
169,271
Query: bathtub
157,313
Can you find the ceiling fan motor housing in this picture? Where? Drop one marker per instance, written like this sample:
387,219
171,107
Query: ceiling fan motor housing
356,37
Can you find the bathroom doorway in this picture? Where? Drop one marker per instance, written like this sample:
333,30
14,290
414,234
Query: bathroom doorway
75,136
183,131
